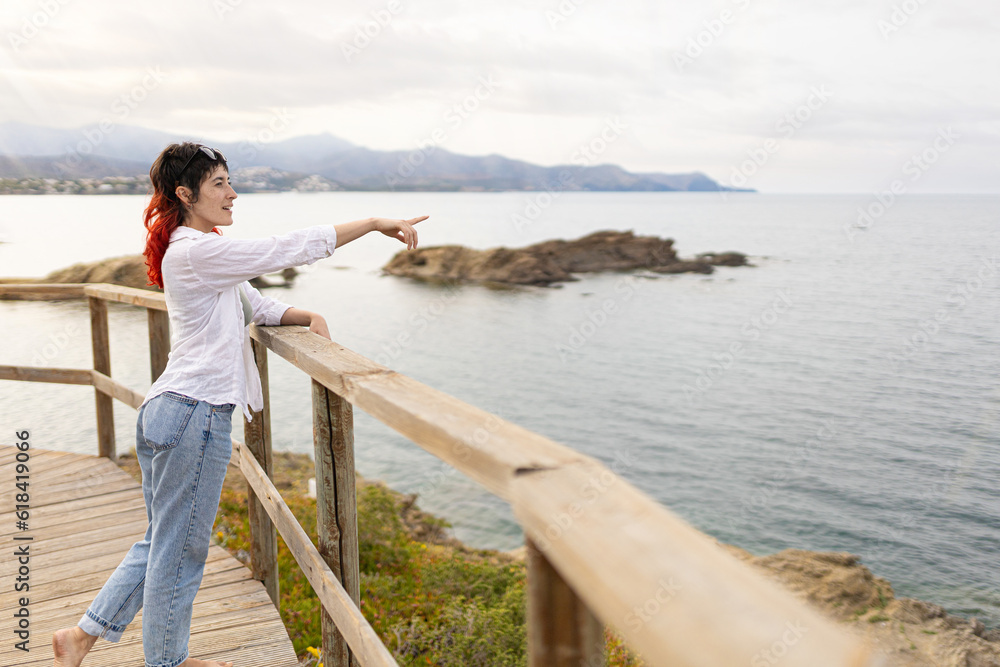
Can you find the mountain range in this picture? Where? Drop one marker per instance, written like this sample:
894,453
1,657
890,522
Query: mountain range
30,151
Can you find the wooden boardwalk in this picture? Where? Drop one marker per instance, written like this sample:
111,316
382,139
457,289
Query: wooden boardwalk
86,513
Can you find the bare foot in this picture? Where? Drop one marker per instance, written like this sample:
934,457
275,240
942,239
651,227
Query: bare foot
195,662
69,645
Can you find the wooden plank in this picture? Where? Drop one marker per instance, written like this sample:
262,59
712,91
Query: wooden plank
364,642
479,444
562,631
8,452
89,547
44,468
115,389
69,487
136,297
336,508
673,593
101,344
222,595
237,636
70,585
44,374
159,341
65,581
38,291
86,541
68,520
40,470
95,504
263,535
38,454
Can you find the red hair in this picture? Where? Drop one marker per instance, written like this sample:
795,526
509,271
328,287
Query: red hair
165,211
161,218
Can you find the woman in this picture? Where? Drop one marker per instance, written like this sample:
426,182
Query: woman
183,428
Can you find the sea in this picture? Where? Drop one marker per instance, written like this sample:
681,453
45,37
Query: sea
840,394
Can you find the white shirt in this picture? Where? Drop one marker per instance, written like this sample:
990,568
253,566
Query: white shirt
210,355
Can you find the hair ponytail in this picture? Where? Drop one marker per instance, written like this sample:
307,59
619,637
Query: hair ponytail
161,218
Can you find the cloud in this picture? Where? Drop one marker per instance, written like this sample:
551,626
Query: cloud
384,73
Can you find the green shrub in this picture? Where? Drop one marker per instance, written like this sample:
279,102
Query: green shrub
430,604
466,632
382,539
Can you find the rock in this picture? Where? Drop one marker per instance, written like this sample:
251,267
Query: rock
519,553
916,611
129,271
287,278
724,258
910,633
684,266
606,251
455,263
835,581
551,261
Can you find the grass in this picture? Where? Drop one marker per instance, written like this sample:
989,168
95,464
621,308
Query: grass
882,600
431,603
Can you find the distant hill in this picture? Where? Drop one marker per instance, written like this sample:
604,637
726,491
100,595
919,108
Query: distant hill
68,167
29,151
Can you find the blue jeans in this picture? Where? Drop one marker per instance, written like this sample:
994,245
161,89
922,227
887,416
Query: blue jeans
183,446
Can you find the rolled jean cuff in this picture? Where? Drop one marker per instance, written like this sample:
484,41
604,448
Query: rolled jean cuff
177,663
94,625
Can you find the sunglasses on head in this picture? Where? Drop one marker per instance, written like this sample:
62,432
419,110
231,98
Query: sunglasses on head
213,155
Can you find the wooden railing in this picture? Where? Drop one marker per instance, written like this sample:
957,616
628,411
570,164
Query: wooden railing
599,551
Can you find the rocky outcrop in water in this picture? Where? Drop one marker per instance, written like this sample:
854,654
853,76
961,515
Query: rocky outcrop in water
129,271
553,261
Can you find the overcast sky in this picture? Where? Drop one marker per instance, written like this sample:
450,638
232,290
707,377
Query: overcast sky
824,96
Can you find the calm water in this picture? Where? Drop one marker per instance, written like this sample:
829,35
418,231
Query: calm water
841,395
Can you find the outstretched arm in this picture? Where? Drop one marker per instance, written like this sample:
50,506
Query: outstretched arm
401,230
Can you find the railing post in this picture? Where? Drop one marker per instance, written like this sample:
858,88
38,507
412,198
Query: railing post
263,535
101,343
159,341
562,631
336,508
